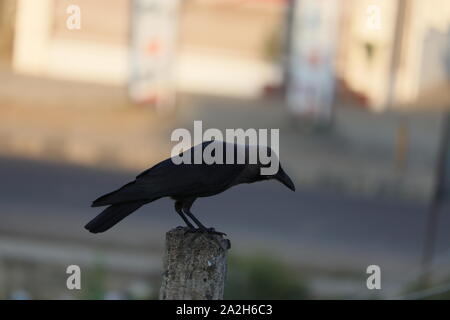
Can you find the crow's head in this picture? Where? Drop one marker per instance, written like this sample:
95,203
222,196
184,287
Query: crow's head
272,169
282,177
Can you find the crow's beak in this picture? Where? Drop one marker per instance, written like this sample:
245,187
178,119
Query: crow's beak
284,179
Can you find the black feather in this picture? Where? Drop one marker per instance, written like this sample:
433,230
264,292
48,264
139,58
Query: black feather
112,215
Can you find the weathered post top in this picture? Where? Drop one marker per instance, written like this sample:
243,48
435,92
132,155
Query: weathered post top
195,266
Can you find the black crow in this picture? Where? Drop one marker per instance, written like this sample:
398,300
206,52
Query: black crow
185,182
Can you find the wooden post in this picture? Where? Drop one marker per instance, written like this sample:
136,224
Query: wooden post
195,266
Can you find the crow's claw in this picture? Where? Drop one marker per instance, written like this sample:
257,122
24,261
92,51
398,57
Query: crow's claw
191,230
213,231
207,231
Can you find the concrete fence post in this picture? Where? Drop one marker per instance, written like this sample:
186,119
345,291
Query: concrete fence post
195,266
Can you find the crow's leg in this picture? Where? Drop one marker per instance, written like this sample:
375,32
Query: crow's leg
196,221
178,209
201,227
186,208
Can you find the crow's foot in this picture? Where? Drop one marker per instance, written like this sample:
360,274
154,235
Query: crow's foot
213,231
205,230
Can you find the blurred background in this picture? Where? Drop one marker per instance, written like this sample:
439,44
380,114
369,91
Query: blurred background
90,92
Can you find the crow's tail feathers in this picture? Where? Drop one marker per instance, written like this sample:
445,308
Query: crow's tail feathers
112,215
131,192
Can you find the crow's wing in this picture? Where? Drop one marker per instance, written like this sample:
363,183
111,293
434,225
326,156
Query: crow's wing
169,179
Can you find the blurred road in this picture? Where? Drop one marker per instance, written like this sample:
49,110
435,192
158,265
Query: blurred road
97,125
49,200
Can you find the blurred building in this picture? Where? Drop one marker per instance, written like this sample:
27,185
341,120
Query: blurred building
389,51
97,52
392,51
224,47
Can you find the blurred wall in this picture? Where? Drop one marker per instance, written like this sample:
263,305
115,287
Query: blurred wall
370,54
230,47
97,52
366,49
225,46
